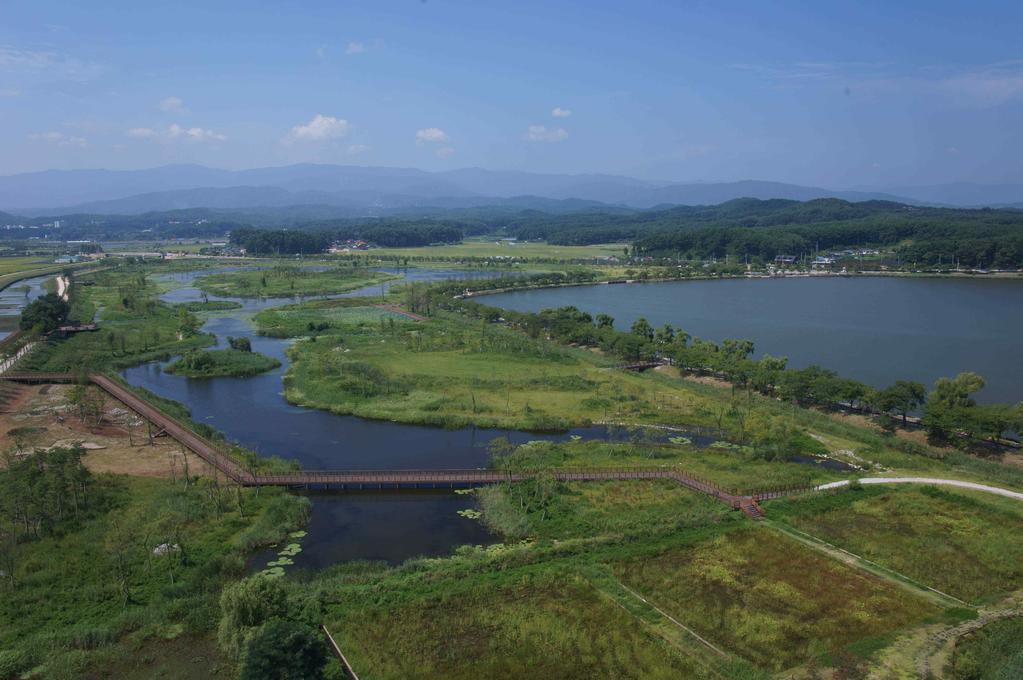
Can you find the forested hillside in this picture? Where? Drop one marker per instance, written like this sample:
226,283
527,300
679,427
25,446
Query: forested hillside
742,229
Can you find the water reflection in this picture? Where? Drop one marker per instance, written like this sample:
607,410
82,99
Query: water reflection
14,298
392,527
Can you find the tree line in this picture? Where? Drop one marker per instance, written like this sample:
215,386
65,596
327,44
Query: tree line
41,492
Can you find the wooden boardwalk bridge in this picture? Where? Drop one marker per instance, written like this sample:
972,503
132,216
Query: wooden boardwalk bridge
388,479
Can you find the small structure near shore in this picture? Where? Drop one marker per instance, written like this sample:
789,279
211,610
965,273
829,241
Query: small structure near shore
71,329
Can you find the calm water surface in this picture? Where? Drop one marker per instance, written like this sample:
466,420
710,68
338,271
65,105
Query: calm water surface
391,526
873,329
253,412
16,296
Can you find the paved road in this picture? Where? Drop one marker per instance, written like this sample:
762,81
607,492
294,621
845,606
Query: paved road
928,480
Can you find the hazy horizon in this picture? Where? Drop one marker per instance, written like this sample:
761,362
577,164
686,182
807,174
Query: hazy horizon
811,95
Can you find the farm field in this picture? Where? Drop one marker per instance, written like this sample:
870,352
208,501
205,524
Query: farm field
966,545
12,265
768,599
540,626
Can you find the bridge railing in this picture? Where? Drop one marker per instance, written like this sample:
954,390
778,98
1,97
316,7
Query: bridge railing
782,491
487,476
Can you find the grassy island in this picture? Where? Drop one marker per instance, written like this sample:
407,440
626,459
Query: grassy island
377,363
211,306
290,281
219,363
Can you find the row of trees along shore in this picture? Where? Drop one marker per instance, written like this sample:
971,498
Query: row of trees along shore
949,411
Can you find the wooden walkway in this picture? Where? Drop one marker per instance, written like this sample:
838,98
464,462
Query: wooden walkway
385,479
641,365
398,310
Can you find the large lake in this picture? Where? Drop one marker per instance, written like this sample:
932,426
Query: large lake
873,329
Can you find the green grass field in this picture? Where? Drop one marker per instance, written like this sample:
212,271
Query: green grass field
452,373
558,628
14,269
729,468
619,508
490,248
969,546
288,281
768,599
12,265
322,317
87,597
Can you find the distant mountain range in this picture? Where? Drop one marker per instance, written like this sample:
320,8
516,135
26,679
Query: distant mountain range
372,190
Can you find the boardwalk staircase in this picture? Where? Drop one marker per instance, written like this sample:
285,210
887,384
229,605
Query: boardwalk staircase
751,508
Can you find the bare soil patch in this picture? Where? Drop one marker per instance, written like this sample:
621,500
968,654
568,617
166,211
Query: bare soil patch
708,380
39,416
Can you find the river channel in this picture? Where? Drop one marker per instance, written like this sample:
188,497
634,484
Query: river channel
252,411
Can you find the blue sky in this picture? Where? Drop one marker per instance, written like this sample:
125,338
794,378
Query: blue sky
831,94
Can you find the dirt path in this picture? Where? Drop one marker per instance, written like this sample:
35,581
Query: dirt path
927,480
936,652
62,288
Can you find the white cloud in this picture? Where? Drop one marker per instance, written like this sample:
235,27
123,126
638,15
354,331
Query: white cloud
431,136
321,128
59,139
992,85
172,105
559,112
47,65
541,133
12,59
10,92
194,134
321,52
141,132
444,152
176,132
356,149
355,48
